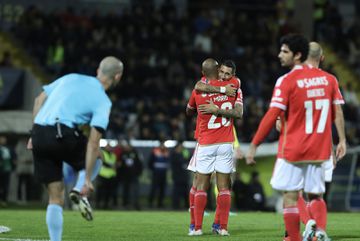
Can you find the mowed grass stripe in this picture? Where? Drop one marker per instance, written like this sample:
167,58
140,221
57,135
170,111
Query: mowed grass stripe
146,226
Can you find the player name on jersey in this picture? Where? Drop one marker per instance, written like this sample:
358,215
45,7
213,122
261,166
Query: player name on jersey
315,93
315,81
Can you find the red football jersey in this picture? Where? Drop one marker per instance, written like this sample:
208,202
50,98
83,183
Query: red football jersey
307,96
192,103
213,129
192,100
237,84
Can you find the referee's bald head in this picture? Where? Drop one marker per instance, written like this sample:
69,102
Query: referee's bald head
110,66
110,71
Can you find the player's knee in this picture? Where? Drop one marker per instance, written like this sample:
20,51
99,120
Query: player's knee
56,200
290,199
202,186
313,196
56,193
223,186
223,182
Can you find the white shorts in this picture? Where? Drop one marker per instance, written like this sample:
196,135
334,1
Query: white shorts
213,158
295,177
192,163
329,167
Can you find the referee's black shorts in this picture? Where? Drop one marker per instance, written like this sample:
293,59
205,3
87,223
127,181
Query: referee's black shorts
50,151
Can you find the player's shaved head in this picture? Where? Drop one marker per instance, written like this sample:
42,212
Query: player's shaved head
210,68
315,51
110,66
315,55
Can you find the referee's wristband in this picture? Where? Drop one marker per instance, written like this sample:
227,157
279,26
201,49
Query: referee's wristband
222,89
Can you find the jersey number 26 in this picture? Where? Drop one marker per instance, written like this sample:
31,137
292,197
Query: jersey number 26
224,121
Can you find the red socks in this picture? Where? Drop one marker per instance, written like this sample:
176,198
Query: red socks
224,204
292,222
200,201
191,204
318,212
303,211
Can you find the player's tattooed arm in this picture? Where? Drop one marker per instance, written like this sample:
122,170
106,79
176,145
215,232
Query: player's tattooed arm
228,90
235,113
211,108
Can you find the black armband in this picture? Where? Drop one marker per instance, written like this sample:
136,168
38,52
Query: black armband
100,129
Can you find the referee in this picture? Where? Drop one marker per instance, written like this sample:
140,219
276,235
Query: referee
63,105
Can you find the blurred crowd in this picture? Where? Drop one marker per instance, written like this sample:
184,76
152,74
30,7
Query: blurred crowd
162,50
163,47
343,35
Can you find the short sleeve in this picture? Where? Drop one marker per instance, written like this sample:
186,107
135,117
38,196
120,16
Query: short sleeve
192,103
239,97
337,96
101,114
280,95
204,80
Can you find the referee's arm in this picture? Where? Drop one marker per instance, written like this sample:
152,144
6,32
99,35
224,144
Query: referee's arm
39,101
92,152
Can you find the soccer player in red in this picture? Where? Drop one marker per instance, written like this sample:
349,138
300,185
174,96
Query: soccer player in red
315,57
306,100
214,152
226,72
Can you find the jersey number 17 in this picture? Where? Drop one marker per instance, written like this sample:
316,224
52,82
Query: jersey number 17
323,106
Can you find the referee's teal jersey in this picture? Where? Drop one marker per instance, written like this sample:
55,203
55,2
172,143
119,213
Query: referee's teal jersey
75,99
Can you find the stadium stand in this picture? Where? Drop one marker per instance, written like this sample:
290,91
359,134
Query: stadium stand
162,51
163,45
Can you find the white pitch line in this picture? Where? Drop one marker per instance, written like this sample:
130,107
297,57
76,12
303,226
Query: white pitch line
19,239
28,239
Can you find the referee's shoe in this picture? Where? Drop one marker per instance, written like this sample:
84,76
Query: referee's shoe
83,203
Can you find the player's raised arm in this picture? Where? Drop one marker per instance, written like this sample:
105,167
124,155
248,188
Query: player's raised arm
228,90
207,69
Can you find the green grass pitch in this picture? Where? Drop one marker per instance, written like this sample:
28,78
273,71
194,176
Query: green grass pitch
156,225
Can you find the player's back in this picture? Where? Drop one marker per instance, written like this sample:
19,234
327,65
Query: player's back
215,129
307,131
